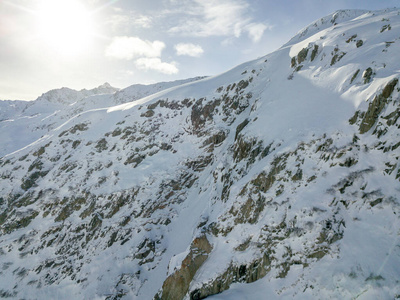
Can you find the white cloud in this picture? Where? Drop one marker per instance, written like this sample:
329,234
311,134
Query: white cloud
256,31
117,22
156,64
123,21
229,18
124,47
189,49
222,17
212,18
145,53
143,21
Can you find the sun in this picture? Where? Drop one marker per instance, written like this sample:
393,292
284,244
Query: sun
65,26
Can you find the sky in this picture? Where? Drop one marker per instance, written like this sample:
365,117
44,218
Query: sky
49,44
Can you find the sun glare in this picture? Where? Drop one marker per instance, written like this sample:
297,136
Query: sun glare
65,26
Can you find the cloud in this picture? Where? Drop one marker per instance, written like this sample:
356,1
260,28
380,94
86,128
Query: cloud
189,49
218,18
146,54
117,22
123,21
156,64
124,47
256,31
211,18
143,21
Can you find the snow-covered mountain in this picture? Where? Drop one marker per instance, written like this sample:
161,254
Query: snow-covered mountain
22,122
277,179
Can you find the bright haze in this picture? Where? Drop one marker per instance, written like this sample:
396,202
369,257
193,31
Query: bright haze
48,44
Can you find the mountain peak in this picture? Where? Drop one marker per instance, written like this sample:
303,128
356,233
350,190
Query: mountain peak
330,20
105,85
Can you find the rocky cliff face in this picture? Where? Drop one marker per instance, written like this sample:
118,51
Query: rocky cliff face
282,173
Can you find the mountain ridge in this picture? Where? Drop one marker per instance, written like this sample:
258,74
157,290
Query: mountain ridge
50,110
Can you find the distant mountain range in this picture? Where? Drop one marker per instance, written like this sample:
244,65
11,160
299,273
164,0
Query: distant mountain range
23,122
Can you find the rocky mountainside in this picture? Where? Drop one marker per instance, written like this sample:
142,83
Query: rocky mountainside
23,122
279,178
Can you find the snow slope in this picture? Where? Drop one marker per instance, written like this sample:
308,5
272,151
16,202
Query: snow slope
276,179
23,122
